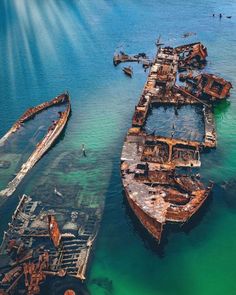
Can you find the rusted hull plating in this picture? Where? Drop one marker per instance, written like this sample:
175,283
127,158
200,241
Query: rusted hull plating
155,190
43,146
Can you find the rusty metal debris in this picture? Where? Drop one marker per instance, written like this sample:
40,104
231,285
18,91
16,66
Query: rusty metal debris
42,147
155,188
123,57
38,245
34,273
208,86
191,56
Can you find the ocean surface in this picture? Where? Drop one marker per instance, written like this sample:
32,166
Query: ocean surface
48,46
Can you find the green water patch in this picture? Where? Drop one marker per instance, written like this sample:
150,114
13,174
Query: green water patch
78,179
7,173
186,252
55,194
224,156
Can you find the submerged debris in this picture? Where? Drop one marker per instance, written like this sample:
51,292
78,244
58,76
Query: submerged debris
40,242
42,147
188,34
5,164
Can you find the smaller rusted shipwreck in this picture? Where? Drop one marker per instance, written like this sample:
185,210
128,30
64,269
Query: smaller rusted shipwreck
43,146
37,245
158,191
208,87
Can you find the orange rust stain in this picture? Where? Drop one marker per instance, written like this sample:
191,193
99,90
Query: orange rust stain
54,230
69,292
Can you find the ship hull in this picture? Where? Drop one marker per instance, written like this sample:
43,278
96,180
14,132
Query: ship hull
157,191
150,224
43,146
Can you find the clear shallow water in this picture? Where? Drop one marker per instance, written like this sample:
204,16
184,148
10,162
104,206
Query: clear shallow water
49,46
20,145
186,122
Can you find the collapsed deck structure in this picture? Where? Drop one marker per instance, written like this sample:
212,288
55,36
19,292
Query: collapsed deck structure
42,242
156,189
43,146
122,57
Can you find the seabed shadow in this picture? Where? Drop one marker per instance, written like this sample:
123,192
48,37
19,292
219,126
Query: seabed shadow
58,286
150,242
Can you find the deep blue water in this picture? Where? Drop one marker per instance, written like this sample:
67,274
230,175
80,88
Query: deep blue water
48,46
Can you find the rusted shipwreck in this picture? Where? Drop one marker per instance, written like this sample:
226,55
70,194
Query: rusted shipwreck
42,147
156,189
42,242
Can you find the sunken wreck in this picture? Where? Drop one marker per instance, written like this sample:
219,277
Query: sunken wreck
52,231
157,172
43,146
43,241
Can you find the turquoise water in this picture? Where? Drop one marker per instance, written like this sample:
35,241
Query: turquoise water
47,47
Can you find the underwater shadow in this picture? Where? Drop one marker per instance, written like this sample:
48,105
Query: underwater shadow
151,243
58,286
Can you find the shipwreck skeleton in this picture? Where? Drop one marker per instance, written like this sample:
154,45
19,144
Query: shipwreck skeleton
42,147
39,245
155,189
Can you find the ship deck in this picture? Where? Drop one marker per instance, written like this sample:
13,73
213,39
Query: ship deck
156,191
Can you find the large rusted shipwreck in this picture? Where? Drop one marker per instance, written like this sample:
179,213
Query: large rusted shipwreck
42,147
41,242
156,189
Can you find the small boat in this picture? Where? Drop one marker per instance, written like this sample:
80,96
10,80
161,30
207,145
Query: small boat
44,145
128,71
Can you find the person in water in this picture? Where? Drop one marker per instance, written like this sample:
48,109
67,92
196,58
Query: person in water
83,150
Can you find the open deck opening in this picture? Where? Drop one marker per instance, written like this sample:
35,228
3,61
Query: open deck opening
185,122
